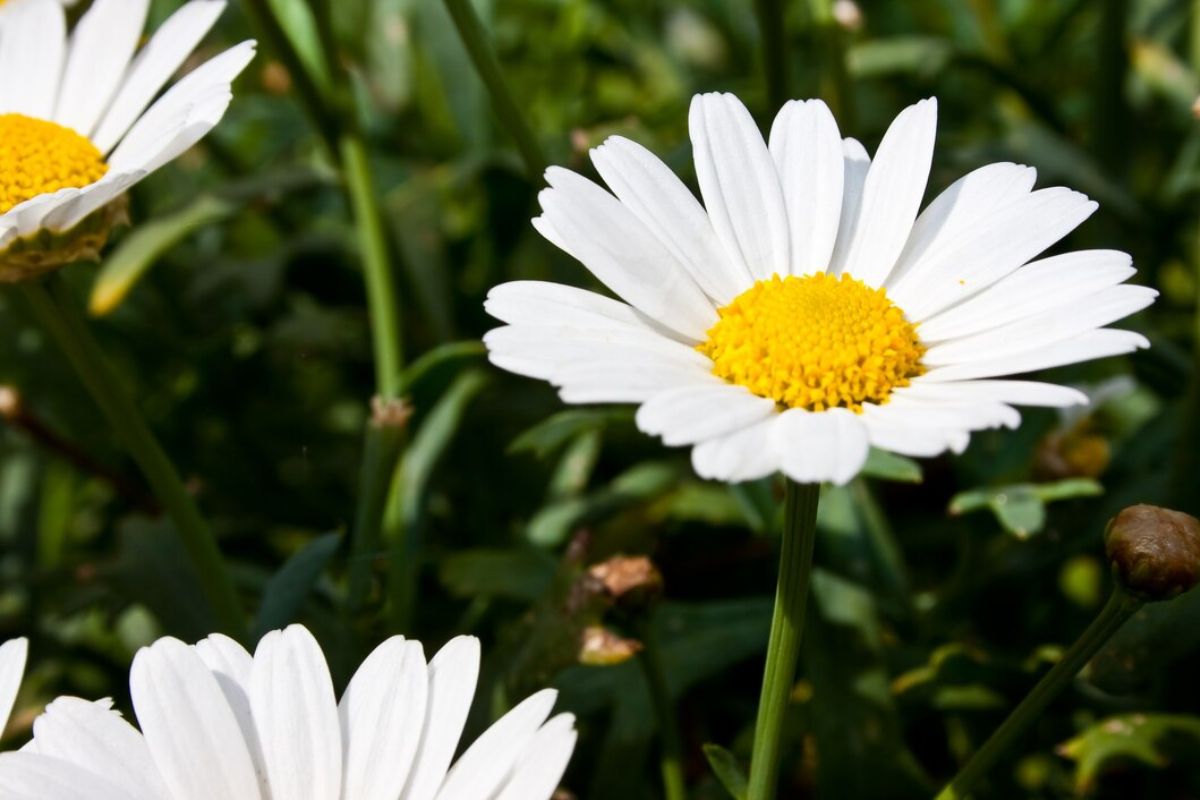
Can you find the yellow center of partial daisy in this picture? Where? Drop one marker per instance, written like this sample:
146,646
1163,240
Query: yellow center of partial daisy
815,342
38,157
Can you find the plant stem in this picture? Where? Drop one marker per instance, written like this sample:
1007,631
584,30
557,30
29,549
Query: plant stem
787,623
1119,608
58,312
671,757
774,43
381,454
483,56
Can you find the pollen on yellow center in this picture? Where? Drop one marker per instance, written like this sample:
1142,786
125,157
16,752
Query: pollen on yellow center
38,157
816,342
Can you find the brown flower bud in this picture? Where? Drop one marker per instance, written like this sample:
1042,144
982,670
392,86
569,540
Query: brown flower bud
1155,552
600,647
631,582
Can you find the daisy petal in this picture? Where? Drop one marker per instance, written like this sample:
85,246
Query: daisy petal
690,414
542,351
740,185
12,667
232,668
824,446
453,673
607,238
671,212
102,44
487,763
1085,347
33,46
544,303
291,696
30,776
382,713
192,733
892,194
625,382
173,42
537,774
855,166
807,149
746,455
1024,393
893,433
1055,282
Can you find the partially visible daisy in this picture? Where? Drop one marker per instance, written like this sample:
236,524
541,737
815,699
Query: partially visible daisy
78,121
806,312
220,724
12,668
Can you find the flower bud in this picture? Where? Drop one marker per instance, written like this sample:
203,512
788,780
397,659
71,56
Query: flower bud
630,582
1154,552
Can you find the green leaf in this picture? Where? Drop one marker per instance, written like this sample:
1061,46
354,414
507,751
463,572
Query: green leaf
553,524
1152,739
288,588
891,467
142,249
727,769
440,357
512,574
1020,508
555,431
920,55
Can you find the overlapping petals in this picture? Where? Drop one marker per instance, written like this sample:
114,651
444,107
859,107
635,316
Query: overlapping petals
808,201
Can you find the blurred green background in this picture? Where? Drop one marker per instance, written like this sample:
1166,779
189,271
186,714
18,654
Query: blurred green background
235,311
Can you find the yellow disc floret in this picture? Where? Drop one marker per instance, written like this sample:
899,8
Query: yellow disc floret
815,342
38,157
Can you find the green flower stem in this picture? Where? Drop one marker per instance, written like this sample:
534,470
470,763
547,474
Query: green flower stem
483,56
1120,607
381,454
671,756
787,623
58,312
774,47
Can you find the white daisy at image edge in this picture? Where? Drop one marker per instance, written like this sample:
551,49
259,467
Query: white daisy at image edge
12,667
806,312
217,722
79,124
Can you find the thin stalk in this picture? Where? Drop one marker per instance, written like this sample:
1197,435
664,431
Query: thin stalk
671,755
787,624
483,56
377,267
1109,105
1119,608
774,48
58,312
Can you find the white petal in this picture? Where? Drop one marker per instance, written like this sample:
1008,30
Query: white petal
606,237
539,352
191,102
71,209
488,761
12,666
889,431
1087,346
626,382
983,254
821,446
382,714
544,303
95,738
1024,393
191,731
291,696
540,769
856,164
1055,282
32,49
746,455
740,185
30,776
1044,329
173,42
892,194
968,202
807,149
690,414
930,406
671,212
232,667
101,46
453,673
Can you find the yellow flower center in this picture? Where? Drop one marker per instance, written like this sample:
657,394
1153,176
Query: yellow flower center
38,157
815,342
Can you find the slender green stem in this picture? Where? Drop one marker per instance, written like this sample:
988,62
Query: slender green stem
1120,607
483,56
58,311
381,454
671,757
774,48
377,267
787,623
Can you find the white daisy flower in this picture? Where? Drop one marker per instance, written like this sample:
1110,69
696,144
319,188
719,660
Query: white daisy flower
12,668
806,311
77,121
220,724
